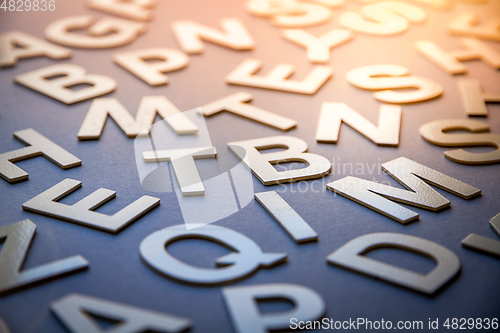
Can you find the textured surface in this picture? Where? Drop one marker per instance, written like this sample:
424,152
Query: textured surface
116,272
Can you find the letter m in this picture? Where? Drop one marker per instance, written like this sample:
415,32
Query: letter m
413,176
101,108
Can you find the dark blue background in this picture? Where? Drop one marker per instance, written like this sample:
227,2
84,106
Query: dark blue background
116,272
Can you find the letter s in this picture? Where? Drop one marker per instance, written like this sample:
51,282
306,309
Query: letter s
435,133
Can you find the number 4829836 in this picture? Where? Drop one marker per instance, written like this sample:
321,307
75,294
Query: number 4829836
471,323
28,5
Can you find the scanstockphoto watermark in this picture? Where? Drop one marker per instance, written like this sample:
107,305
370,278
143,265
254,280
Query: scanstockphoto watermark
382,324
356,324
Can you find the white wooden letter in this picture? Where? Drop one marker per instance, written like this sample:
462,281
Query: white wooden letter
262,164
469,24
244,311
101,108
350,256
152,73
277,78
247,258
31,47
83,212
385,18
184,166
107,32
375,78
473,97
485,244
71,75
139,10
18,237
318,48
438,133
235,103
450,60
38,145
190,34
73,310
288,219
414,177
385,134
